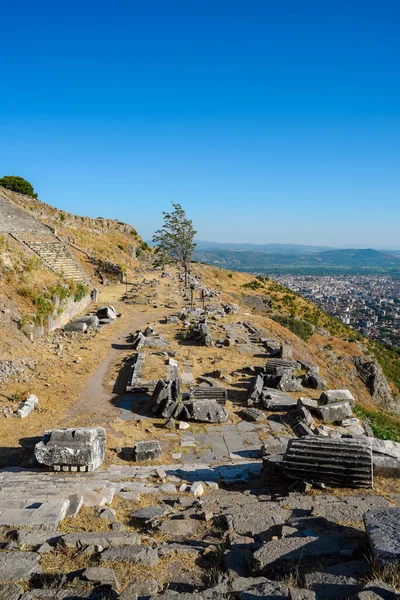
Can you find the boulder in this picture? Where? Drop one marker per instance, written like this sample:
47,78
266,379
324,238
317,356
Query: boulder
106,312
371,373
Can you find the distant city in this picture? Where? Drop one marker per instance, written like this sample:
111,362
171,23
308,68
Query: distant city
369,304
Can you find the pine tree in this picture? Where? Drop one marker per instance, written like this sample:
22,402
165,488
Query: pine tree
174,241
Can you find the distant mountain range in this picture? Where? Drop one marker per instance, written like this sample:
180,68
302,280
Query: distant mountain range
263,248
351,261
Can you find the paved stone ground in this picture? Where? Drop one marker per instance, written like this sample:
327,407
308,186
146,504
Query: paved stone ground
225,443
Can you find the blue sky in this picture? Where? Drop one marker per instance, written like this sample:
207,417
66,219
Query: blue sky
268,121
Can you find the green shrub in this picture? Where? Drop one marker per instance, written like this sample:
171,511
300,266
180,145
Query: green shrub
253,285
32,264
299,327
80,291
230,275
383,425
62,217
144,246
18,184
138,252
120,246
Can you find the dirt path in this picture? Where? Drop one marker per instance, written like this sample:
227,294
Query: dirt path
96,399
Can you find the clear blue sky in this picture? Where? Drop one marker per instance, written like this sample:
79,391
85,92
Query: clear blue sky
268,121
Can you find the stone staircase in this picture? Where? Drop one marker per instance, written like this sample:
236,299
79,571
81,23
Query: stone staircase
54,254
40,239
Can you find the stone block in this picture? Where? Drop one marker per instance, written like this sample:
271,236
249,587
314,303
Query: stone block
27,406
90,320
205,411
76,327
344,462
315,382
138,555
383,531
332,396
101,576
83,448
148,450
337,581
16,566
253,414
335,412
113,539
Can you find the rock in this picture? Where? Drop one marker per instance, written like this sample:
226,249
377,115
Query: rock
104,539
337,581
108,514
168,488
170,424
75,449
332,396
386,447
15,566
315,382
75,504
138,589
383,531
255,517
183,425
207,516
197,489
371,373
335,412
253,414
27,406
255,390
11,591
149,450
74,327
148,515
101,576
301,594
27,537
205,411
44,549
278,402
90,320
376,590
284,555
308,403
139,555
106,312
181,528
273,590
386,466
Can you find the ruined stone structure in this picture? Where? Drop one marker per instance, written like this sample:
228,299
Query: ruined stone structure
81,449
38,238
344,462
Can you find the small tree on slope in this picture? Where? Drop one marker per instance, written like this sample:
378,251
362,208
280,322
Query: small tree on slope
18,184
174,241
